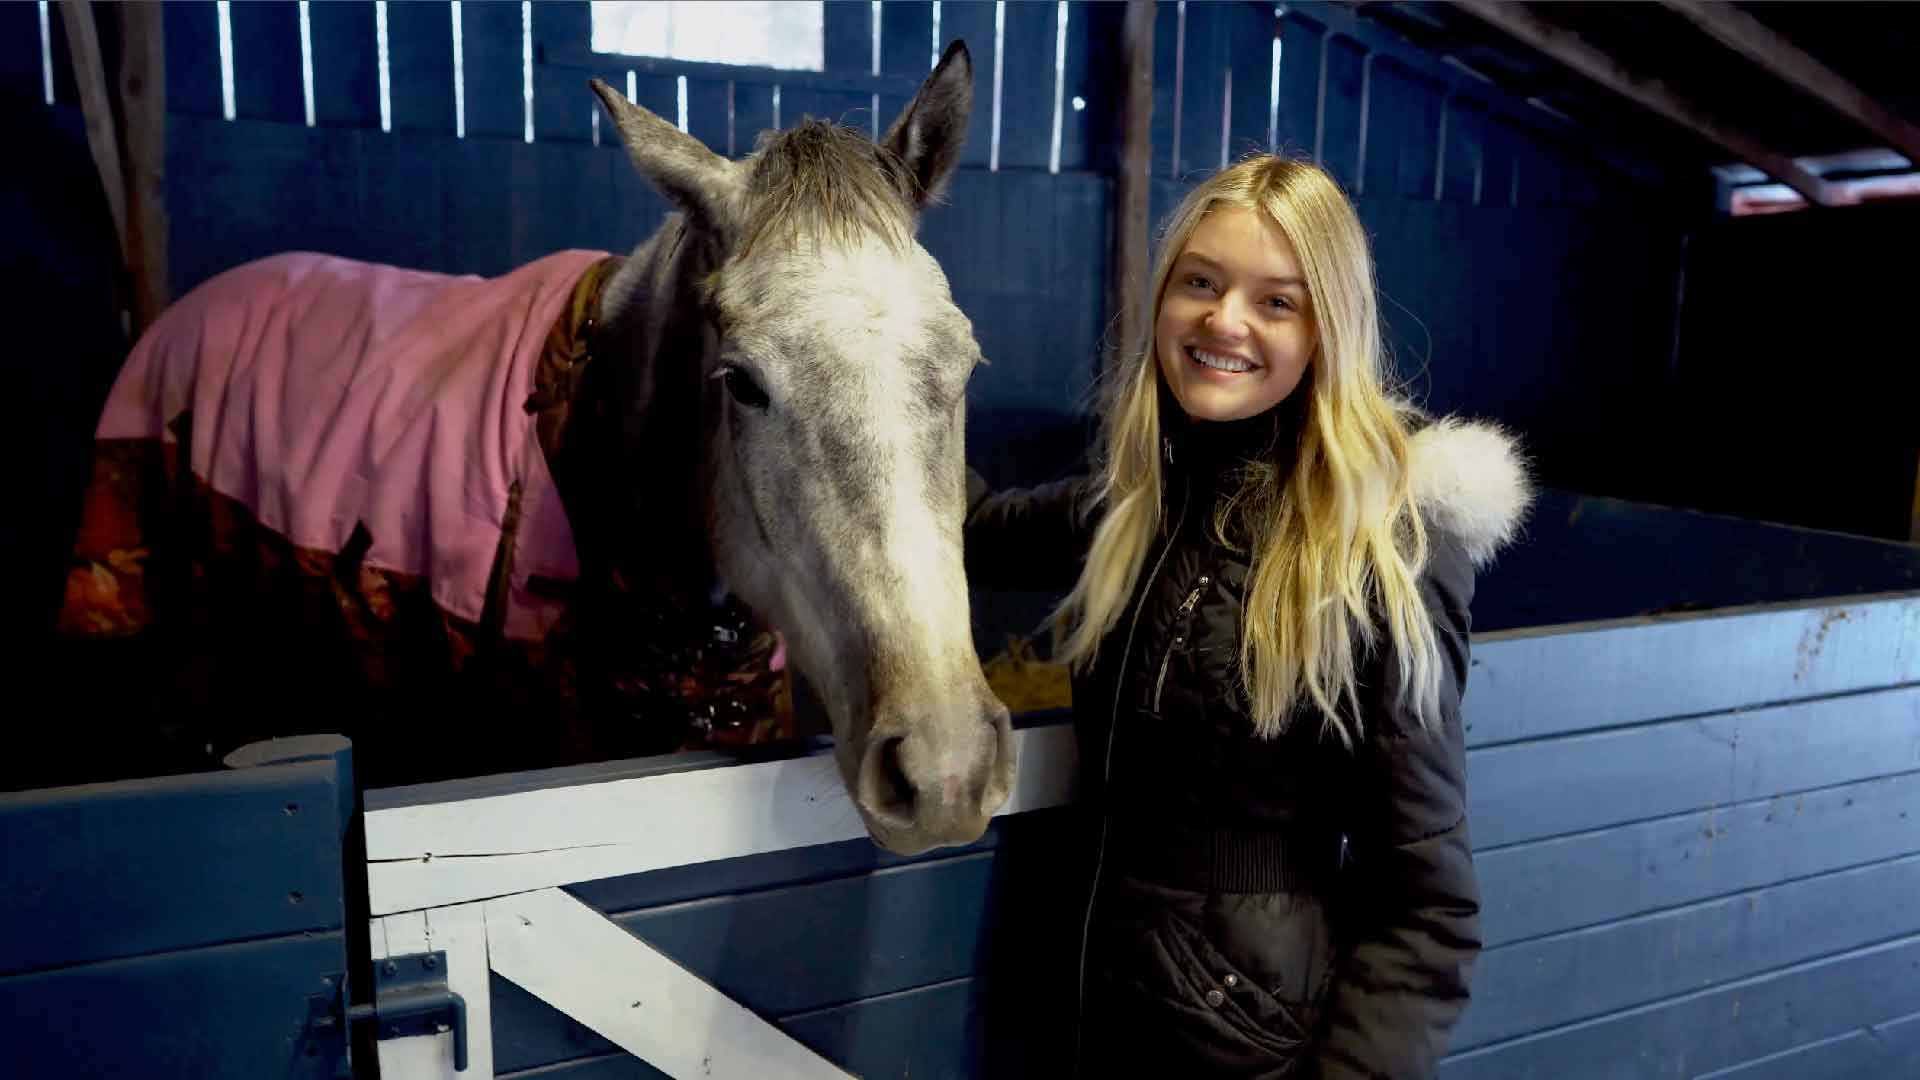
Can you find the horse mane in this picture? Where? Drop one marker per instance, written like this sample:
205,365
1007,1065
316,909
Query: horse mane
829,184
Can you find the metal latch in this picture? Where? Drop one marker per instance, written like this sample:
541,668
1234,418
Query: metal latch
410,997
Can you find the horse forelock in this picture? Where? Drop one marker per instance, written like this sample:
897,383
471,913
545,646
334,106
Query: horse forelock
825,184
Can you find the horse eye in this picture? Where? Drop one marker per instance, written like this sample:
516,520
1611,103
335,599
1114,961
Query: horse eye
743,388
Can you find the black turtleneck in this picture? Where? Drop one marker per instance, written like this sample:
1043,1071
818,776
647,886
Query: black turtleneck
1211,453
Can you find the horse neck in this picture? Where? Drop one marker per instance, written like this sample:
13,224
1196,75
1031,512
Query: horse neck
642,486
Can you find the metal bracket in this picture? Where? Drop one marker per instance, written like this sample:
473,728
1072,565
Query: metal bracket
410,997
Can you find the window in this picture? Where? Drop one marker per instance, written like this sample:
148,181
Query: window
786,34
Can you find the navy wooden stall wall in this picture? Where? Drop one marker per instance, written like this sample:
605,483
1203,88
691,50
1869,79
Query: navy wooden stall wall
1707,866
180,926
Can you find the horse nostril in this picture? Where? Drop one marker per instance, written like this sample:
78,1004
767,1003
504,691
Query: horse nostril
888,790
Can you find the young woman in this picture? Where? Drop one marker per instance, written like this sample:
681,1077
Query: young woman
1271,567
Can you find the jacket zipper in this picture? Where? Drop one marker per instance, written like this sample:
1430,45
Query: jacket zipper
1106,777
1186,609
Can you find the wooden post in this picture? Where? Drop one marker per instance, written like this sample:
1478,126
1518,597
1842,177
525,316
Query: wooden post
143,144
1126,284
89,72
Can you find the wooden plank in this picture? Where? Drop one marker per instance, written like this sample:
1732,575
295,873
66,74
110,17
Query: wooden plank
1298,128
1249,30
90,76
1533,889
927,1031
143,138
971,21
420,67
491,47
193,57
567,954
226,1012
1882,1050
111,870
1090,137
532,839
1027,86
1169,41
563,107
752,114
1527,684
1203,90
1553,981
847,35
461,932
1342,128
346,61
1553,787
907,48
266,63
1460,152
1403,128
707,114
1717,1027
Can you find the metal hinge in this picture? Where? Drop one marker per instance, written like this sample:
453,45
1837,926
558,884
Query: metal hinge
411,997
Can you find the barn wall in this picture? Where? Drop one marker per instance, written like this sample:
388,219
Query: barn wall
1694,837
1529,275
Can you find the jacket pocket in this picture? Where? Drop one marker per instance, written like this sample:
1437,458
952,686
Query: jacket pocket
1220,1018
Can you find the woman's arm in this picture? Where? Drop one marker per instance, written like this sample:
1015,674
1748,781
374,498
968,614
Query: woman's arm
1409,901
1027,538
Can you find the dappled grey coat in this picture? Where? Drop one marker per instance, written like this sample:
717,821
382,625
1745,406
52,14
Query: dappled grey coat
1278,907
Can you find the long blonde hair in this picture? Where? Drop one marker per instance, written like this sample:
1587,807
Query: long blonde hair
1338,544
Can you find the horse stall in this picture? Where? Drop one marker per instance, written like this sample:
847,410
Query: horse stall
1694,737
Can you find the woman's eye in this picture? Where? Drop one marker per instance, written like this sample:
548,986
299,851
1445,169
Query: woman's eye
1199,281
1281,303
742,388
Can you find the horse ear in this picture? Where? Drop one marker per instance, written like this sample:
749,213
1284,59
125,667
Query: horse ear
700,182
929,133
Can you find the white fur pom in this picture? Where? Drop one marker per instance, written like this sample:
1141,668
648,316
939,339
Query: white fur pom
1469,479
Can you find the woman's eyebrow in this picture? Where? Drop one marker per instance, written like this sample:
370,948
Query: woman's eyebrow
1214,264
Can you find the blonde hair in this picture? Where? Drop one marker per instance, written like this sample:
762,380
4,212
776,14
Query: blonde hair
1337,543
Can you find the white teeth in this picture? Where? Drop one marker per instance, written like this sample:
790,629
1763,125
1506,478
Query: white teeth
1218,362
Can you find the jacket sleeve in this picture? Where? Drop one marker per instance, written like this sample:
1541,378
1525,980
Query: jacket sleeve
1028,538
1412,900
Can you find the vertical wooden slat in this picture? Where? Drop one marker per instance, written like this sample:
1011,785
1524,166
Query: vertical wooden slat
193,57
143,143
752,114
1126,294
561,101
972,21
1249,32
266,63
1090,137
1166,78
65,90
1297,128
849,36
707,113
1202,90
1340,134
491,36
346,64
420,66
1027,85
906,38
1461,157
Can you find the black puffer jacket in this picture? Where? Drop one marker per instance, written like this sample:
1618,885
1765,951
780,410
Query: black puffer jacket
1263,908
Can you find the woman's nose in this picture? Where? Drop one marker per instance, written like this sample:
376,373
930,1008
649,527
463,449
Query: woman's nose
1226,320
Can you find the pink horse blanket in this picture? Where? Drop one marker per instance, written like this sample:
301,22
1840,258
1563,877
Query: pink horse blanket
307,450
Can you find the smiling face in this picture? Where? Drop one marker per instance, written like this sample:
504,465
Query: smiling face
1235,330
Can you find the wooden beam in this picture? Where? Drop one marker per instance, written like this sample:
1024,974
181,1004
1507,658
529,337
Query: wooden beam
1754,40
1126,285
1561,44
143,144
89,73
